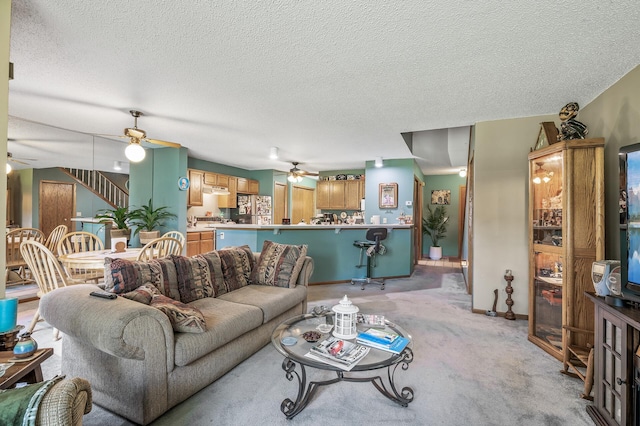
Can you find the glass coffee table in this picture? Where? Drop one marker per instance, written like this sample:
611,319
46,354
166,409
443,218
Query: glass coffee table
287,339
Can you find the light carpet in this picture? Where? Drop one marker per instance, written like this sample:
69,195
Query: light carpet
467,369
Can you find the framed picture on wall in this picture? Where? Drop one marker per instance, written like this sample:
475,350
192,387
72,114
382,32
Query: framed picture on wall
388,196
441,196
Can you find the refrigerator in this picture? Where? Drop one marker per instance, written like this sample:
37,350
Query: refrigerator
257,207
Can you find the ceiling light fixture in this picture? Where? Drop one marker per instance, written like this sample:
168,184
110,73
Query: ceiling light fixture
273,153
378,162
463,172
117,165
294,178
9,168
134,151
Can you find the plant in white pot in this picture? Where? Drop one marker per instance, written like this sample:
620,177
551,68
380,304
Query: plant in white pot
435,226
146,219
119,217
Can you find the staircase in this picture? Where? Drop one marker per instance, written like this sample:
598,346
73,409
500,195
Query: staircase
100,185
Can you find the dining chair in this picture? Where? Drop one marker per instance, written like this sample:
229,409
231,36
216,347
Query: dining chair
80,242
16,268
55,236
160,247
46,271
177,235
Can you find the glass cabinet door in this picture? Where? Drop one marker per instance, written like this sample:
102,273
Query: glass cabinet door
546,185
547,313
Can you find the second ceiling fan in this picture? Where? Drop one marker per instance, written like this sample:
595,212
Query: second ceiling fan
296,175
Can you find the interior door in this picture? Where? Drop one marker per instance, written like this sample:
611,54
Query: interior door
417,219
279,202
57,205
302,204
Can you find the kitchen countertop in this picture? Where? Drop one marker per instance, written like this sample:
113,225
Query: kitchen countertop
211,227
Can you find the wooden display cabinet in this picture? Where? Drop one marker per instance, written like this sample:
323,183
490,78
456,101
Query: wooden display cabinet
566,235
196,181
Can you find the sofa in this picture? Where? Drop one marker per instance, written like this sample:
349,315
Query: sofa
55,402
143,360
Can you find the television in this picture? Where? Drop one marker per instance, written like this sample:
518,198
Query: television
629,210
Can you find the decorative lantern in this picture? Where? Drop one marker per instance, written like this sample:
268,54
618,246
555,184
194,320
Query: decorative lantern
345,319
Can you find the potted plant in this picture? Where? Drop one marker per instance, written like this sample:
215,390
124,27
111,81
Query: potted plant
119,217
146,219
435,226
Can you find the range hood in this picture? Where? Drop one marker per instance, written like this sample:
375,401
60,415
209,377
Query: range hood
219,190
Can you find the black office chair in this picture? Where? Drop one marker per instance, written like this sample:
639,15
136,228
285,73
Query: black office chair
373,247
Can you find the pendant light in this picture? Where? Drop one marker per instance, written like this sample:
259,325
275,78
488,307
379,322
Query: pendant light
134,151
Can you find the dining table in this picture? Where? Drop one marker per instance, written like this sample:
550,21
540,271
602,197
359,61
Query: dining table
95,259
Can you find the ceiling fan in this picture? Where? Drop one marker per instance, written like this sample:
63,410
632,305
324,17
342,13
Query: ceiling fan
296,175
10,159
134,150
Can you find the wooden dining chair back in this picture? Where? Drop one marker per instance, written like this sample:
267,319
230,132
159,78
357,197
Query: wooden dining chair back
55,236
80,242
46,271
177,235
16,268
160,247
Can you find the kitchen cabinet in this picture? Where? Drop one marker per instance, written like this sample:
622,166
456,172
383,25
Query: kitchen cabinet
216,179
248,186
566,235
339,194
200,242
196,180
229,201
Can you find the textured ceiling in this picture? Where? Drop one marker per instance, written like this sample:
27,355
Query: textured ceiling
331,83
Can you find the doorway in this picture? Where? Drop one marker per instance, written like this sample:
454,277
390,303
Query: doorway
279,202
302,204
417,219
57,205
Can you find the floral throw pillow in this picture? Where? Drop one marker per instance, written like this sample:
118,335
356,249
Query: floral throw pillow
279,264
183,318
123,276
143,294
194,278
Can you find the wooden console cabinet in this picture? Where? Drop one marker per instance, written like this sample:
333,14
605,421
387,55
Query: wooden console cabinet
617,339
566,235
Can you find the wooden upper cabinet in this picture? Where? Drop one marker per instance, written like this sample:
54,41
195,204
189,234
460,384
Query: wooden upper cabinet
339,194
196,180
254,187
229,201
216,179
223,180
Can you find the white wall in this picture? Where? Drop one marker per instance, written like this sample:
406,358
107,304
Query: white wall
5,30
500,216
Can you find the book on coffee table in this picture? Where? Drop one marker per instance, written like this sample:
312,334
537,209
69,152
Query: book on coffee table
382,339
337,352
371,320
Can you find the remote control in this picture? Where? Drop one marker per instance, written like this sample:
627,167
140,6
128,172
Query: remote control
104,294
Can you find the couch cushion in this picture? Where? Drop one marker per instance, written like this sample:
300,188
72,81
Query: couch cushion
279,264
194,279
212,259
169,285
142,294
237,264
225,321
183,318
123,276
272,301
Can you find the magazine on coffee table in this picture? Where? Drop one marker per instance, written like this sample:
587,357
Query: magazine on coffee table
371,320
337,352
382,339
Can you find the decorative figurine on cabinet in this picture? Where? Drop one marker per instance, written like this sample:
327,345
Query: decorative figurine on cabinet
570,128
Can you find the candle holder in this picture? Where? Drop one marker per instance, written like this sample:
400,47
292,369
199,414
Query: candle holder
508,276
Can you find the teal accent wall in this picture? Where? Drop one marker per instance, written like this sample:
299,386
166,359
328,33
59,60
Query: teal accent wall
334,255
210,166
449,244
393,171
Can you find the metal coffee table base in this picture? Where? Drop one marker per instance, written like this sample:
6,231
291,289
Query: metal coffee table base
305,392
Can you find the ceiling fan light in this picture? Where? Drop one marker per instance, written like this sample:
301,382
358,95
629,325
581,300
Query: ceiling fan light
291,177
9,168
378,162
273,153
299,179
134,152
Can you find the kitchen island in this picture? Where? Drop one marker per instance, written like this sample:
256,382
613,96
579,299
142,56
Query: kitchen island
331,246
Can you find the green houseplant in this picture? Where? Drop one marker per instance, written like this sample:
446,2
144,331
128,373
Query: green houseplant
119,217
146,219
434,224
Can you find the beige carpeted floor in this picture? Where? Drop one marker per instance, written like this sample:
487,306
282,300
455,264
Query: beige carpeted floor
467,369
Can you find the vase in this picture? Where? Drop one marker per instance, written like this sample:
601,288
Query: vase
8,314
435,253
25,347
